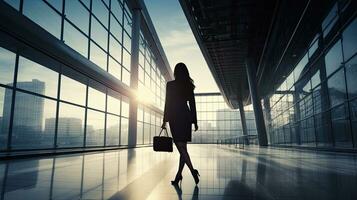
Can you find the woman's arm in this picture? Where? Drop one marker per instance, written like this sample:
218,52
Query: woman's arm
165,119
192,103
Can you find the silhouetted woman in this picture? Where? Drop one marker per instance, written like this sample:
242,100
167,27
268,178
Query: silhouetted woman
180,116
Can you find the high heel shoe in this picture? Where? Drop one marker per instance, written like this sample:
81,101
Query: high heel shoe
195,175
177,180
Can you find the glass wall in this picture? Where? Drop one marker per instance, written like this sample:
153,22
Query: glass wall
151,82
217,121
148,124
51,109
98,30
316,104
47,103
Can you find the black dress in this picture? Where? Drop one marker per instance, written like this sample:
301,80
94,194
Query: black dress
177,113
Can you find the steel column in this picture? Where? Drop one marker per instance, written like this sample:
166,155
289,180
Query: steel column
243,119
134,71
258,111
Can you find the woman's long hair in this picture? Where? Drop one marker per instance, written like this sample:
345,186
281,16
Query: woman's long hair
181,74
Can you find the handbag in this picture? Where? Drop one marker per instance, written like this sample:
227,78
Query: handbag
163,143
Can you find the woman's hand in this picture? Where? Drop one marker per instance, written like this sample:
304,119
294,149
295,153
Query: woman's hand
163,126
196,127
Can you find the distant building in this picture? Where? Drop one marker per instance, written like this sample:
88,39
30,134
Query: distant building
29,108
70,130
28,114
67,126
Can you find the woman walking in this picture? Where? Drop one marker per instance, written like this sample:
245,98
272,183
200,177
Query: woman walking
181,117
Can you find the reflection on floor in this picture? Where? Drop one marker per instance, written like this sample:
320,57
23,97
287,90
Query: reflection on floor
143,174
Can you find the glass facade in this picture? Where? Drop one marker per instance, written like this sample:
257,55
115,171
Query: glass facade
216,121
40,92
151,82
87,26
148,124
316,104
46,104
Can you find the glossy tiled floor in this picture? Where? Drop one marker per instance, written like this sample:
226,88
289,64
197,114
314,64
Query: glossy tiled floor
142,174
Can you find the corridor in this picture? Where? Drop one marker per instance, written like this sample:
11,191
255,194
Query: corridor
226,173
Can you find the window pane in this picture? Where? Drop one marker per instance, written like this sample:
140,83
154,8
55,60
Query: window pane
113,104
300,67
127,24
86,3
351,74
333,58
125,76
14,3
7,66
117,10
73,91
34,122
5,109
353,110
100,11
126,60
124,130
112,130
57,4
139,133
341,126
70,126
350,40
75,39
96,99
115,49
337,88
47,18
127,42
116,29
313,48
37,78
124,108
315,79
99,34
146,133
95,128
342,133
78,15
114,68
98,56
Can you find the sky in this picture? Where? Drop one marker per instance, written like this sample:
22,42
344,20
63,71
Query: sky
179,42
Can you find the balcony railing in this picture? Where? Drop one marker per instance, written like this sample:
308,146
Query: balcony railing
239,142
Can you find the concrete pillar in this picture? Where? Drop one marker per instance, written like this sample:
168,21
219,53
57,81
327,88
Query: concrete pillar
134,74
267,115
297,126
243,119
257,106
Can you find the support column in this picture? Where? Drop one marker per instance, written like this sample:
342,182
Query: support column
258,111
297,126
243,119
267,116
134,71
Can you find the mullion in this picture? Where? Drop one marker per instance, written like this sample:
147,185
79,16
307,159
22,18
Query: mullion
9,139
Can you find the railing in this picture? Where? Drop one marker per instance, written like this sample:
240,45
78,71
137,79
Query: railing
240,142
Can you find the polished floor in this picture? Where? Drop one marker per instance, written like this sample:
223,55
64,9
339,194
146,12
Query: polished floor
226,173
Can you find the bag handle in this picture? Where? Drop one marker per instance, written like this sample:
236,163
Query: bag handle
165,132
